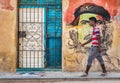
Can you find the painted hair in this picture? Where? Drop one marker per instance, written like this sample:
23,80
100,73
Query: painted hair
93,19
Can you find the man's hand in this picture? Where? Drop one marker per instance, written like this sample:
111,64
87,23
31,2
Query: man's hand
86,42
82,45
99,49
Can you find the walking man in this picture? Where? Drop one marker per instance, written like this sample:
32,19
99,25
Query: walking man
95,50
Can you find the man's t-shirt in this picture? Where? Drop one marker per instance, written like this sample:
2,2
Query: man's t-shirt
96,31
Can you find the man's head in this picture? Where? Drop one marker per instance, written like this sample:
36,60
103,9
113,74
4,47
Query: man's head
92,21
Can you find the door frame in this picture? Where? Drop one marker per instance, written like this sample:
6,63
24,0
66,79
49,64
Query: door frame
45,31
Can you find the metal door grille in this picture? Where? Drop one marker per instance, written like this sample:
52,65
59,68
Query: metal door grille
31,41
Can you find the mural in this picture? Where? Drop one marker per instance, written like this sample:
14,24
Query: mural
76,30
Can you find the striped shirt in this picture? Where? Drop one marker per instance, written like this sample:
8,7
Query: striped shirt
96,31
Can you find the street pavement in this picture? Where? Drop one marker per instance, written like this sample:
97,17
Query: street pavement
58,77
93,81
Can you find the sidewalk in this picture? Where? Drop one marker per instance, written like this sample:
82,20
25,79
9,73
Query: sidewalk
58,76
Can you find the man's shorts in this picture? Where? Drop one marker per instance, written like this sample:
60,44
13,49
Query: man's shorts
94,53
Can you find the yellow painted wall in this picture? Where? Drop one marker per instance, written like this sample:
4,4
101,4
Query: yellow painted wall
8,35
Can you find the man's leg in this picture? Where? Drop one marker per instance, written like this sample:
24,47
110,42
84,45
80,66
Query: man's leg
87,69
100,59
103,68
89,62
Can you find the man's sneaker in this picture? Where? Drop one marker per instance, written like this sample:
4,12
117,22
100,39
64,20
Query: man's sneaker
103,74
84,74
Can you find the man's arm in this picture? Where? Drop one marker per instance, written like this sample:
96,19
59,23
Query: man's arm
99,42
87,42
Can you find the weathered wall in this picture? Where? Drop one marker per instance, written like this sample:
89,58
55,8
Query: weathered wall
8,35
75,56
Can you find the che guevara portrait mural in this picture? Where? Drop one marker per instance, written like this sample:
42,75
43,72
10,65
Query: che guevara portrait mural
76,30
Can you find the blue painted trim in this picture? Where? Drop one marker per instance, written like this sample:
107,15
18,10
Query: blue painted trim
45,20
36,69
30,6
41,1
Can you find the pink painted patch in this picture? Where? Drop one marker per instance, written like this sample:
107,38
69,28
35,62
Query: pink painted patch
5,4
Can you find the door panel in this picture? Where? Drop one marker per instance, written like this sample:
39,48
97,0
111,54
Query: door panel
31,37
54,33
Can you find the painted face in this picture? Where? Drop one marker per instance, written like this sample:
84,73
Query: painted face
91,23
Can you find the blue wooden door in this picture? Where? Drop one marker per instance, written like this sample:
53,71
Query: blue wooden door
53,38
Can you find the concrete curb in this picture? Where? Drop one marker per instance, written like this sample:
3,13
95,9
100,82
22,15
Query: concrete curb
58,76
